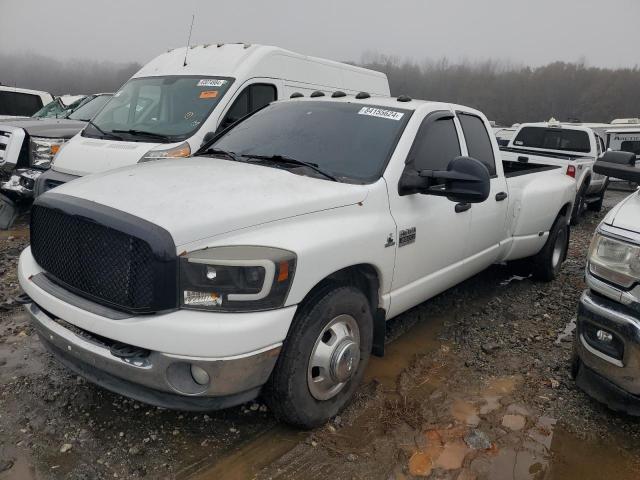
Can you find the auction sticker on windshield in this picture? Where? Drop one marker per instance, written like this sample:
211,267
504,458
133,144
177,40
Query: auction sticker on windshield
211,82
380,113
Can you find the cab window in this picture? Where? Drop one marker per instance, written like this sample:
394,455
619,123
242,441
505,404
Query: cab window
250,99
436,144
478,141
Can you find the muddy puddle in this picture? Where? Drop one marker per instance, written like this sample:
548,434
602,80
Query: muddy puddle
421,424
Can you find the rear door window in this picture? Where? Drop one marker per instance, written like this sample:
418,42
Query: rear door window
478,141
16,103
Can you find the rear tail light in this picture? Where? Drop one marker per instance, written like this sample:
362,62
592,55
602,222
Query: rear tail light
571,171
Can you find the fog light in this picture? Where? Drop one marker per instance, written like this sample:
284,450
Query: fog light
603,336
200,376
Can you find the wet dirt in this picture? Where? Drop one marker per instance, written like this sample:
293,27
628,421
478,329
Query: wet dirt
495,347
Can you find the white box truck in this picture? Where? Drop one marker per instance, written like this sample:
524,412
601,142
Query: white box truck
168,107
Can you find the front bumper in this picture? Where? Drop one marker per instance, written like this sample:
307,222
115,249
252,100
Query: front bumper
609,371
236,350
153,377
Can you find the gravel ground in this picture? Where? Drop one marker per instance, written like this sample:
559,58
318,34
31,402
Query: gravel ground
475,384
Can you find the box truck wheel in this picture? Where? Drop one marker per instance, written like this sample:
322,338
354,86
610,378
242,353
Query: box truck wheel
323,358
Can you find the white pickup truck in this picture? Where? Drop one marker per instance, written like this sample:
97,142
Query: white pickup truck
270,261
574,147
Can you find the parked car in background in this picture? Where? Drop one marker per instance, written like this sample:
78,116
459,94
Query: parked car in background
504,135
27,147
169,107
60,107
21,102
574,147
270,261
607,343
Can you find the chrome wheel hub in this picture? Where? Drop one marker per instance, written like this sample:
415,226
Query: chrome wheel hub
335,357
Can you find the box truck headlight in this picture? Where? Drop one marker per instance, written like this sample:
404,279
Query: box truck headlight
242,278
181,151
615,261
42,150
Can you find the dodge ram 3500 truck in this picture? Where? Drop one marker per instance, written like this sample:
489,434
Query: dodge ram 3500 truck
572,146
607,342
269,262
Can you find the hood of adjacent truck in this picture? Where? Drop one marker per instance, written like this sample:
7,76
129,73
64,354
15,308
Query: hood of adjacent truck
201,197
626,214
84,156
47,127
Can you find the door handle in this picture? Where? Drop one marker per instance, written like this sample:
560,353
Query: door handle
522,159
501,196
462,207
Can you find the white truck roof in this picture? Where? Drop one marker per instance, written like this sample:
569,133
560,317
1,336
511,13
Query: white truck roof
238,60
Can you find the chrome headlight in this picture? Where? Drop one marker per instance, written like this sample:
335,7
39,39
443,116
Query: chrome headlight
614,260
42,150
180,151
242,278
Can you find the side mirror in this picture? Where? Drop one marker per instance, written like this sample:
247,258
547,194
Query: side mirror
465,180
620,165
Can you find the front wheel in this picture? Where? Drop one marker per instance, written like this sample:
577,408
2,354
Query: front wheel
546,264
323,358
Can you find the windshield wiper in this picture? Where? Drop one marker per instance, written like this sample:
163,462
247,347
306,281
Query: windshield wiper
230,155
134,132
106,134
293,161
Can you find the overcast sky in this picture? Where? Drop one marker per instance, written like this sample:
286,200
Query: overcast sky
531,32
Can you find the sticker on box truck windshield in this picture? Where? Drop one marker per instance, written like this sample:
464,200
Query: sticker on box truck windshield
211,82
208,94
381,113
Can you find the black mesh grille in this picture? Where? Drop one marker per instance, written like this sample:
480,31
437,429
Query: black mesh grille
102,263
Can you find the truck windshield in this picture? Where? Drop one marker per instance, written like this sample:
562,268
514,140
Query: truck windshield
88,110
553,139
173,107
351,142
54,109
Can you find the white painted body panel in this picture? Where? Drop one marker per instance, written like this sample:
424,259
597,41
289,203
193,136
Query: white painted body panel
289,72
206,202
626,214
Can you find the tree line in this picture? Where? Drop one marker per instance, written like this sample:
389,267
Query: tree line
505,92
509,93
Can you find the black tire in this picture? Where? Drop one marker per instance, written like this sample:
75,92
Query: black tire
546,264
287,392
578,206
597,205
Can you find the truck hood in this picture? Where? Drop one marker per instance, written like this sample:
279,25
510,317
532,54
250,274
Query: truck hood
626,214
201,197
47,127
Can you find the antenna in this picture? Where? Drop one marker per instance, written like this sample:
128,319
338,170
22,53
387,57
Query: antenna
193,17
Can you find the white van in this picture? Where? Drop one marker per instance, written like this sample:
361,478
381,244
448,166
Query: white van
168,107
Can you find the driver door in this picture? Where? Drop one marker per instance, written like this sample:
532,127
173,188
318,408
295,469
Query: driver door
432,231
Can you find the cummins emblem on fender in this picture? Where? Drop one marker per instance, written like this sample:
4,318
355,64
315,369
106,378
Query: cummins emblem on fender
407,236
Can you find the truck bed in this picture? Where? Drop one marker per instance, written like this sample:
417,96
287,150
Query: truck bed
516,169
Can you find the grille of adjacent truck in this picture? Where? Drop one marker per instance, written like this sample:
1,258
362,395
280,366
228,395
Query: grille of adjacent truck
106,265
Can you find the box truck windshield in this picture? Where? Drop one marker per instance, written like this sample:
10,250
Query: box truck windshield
167,109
